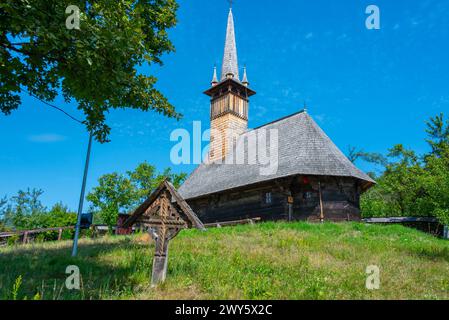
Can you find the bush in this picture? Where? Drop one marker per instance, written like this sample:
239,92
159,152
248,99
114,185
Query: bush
442,216
13,240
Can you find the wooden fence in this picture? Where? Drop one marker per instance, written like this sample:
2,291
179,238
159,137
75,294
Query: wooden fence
400,219
426,224
25,236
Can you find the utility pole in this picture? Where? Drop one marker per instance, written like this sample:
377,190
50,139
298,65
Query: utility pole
86,168
80,206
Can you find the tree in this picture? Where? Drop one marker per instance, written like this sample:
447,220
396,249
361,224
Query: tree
146,179
143,179
372,157
113,194
58,216
3,203
435,182
438,132
25,209
94,65
413,185
117,193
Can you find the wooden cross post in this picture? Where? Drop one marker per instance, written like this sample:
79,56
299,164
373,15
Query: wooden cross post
163,228
164,214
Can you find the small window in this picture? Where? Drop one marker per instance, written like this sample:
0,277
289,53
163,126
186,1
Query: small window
308,195
268,198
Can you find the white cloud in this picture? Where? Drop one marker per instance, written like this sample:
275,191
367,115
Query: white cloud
46,138
309,35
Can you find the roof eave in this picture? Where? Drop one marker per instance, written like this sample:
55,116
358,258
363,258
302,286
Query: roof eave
211,91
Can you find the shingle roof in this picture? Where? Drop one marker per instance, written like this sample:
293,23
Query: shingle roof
303,149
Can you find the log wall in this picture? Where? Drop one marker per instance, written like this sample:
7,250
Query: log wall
340,198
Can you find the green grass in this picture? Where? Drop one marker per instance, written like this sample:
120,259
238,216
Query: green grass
263,261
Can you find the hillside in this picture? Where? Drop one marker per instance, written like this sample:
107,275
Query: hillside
268,260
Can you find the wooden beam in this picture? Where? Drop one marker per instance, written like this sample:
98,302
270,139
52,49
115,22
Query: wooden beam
321,202
231,223
400,219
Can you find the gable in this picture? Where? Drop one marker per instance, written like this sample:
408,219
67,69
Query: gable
165,206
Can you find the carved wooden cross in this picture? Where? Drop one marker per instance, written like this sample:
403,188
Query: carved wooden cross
164,214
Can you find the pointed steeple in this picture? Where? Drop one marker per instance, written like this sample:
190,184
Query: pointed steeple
214,77
245,77
230,66
229,99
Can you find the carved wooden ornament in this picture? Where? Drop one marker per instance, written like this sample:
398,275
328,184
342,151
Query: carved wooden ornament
164,214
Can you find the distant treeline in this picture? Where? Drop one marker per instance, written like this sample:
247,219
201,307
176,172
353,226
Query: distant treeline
25,211
411,184
115,193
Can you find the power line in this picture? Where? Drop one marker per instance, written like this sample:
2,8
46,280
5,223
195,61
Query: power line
86,167
53,106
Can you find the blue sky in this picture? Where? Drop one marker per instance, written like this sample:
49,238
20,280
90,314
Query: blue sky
365,88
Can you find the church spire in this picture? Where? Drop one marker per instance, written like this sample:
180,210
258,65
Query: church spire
229,100
214,77
245,77
230,66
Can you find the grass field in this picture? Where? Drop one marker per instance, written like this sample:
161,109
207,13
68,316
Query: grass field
263,261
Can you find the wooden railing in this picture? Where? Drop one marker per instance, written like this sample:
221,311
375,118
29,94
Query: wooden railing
25,235
400,219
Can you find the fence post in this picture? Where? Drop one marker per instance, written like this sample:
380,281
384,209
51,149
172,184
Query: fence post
25,238
446,232
60,234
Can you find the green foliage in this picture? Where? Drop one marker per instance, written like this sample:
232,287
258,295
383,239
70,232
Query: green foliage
13,240
438,131
95,64
355,154
413,185
113,194
117,193
442,215
146,179
3,206
25,211
16,287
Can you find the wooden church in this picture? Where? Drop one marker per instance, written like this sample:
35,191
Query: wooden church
314,180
